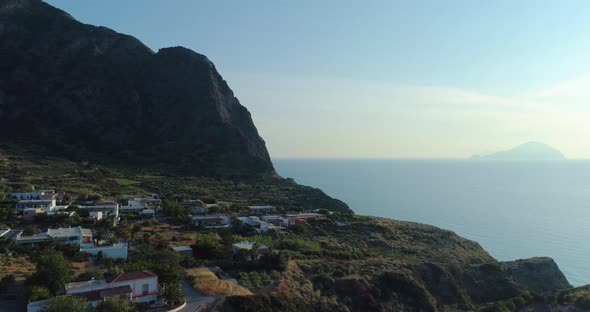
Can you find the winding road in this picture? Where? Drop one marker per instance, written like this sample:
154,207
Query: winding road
194,299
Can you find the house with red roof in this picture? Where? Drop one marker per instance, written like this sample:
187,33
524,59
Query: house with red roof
141,286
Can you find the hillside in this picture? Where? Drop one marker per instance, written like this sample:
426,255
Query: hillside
22,169
526,151
99,115
90,93
376,264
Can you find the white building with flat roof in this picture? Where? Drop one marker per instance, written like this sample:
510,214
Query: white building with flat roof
254,222
43,194
276,220
66,236
212,221
115,251
248,246
139,204
262,210
140,286
107,208
47,205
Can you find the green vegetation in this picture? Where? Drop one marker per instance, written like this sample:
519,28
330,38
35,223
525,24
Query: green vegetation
39,293
4,189
70,304
172,294
154,254
52,271
255,279
90,181
365,264
175,213
115,305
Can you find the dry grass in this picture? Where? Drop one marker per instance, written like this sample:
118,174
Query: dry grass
81,267
174,237
205,281
20,267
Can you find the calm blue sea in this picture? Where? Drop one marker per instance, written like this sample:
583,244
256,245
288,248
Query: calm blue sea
513,209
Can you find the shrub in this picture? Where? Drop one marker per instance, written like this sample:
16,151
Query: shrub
300,245
70,304
583,303
39,293
6,282
81,256
52,271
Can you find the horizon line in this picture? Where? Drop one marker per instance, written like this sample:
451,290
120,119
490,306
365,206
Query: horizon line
416,158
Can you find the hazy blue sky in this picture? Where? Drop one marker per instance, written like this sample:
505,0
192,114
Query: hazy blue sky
385,78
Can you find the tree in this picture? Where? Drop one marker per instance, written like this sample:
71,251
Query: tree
4,190
30,230
70,304
115,305
208,247
175,213
166,264
274,260
6,282
39,293
254,252
52,271
6,215
172,294
73,208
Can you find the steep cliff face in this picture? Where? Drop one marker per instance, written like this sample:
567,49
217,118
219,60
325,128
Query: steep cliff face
90,92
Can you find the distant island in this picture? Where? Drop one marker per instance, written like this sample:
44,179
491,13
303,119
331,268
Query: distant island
526,151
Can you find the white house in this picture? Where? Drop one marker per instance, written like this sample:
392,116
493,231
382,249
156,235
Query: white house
116,251
262,210
136,204
47,205
139,204
247,246
184,250
37,306
67,236
148,213
302,218
212,221
141,286
97,215
107,208
276,220
43,194
254,222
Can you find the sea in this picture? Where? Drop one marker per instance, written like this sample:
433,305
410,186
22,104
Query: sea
514,209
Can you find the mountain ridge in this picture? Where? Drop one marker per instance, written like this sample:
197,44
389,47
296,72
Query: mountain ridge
90,92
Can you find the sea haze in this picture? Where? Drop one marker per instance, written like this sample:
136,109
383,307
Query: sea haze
513,209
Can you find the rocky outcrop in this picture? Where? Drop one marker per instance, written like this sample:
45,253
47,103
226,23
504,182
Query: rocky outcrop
89,92
538,275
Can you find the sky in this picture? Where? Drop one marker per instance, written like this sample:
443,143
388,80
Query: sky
384,78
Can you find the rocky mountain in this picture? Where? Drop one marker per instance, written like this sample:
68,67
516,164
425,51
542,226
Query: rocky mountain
526,151
90,93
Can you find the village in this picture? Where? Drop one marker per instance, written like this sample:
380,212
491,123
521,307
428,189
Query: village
153,253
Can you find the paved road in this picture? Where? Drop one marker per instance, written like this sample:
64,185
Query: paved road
194,299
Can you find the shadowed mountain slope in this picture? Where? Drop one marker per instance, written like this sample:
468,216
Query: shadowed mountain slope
88,92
